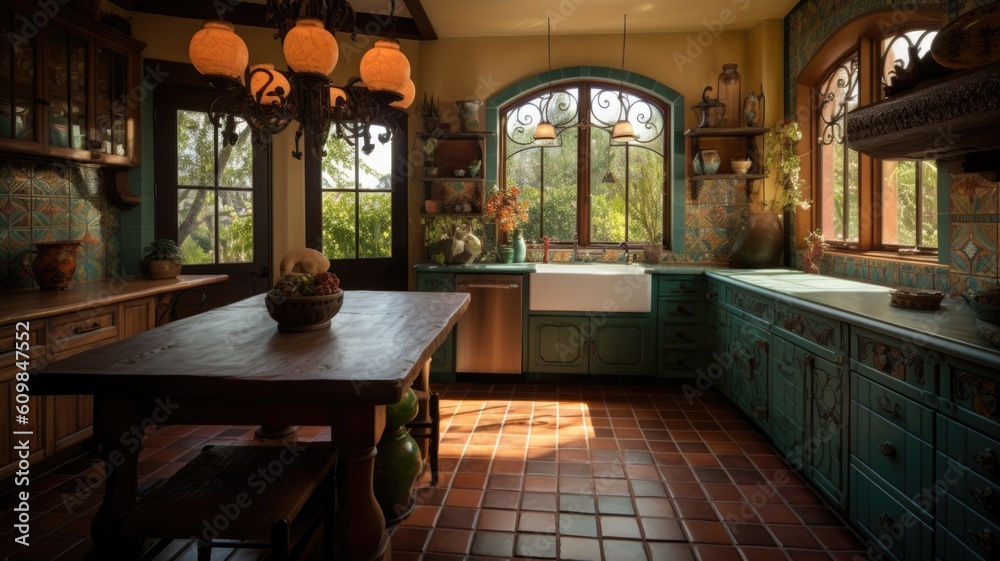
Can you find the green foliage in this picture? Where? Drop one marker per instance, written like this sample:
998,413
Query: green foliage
781,159
443,227
161,250
194,254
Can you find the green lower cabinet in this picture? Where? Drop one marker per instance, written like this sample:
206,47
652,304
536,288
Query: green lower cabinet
787,385
621,346
443,359
581,345
947,547
717,355
885,521
974,532
825,436
750,370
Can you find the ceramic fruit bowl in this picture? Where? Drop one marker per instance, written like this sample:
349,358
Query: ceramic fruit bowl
916,298
296,314
985,312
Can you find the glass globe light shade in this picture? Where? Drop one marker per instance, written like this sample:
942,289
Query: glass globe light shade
409,92
217,50
623,131
385,67
309,47
266,82
545,132
335,94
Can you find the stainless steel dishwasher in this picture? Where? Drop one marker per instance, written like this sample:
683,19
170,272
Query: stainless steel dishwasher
488,335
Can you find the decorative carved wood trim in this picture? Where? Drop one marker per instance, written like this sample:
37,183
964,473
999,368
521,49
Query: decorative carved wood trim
942,119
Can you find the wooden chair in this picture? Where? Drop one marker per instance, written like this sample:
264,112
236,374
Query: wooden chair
221,499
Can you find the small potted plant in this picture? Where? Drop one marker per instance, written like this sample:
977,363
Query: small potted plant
430,113
430,160
161,259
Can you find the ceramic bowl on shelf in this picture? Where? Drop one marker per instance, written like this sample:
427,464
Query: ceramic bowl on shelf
740,167
459,173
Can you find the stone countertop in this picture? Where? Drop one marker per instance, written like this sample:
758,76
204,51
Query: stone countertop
520,268
951,329
31,303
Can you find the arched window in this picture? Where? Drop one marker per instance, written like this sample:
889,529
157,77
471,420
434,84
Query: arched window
892,204
586,187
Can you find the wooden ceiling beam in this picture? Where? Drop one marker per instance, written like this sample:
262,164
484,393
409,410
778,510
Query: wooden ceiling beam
245,13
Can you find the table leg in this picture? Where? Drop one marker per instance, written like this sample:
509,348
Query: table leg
360,524
119,448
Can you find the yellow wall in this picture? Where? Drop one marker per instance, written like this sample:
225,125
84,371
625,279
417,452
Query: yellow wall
477,68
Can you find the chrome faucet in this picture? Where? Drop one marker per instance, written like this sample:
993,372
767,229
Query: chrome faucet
629,258
576,247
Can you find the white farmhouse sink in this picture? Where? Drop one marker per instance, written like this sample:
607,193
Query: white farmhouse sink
591,287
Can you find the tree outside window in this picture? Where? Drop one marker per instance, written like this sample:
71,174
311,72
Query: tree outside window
585,187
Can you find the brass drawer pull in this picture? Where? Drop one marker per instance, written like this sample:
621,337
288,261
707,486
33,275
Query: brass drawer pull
987,459
886,449
884,519
886,404
82,330
984,498
983,539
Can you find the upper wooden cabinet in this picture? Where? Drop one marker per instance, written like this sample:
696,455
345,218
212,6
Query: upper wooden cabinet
69,86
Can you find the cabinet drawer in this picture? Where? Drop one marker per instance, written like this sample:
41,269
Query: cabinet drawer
681,311
681,336
821,335
900,365
716,292
740,300
950,548
885,520
970,488
893,407
435,282
978,534
970,392
9,344
902,460
969,447
678,362
72,333
680,287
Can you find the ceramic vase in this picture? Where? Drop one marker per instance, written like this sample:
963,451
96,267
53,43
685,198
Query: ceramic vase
54,265
468,114
506,254
398,461
520,248
759,244
706,162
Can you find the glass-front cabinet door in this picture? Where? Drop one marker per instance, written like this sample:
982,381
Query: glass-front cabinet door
111,100
17,80
67,90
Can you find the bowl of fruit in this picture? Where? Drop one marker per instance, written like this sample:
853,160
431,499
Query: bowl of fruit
306,297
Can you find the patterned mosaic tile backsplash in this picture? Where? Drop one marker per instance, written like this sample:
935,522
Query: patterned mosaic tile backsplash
42,203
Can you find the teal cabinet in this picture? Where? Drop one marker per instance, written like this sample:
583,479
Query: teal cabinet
584,345
681,337
788,399
884,520
443,359
827,417
751,363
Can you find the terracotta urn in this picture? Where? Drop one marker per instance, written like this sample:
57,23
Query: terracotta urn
759,244
54,265
398,461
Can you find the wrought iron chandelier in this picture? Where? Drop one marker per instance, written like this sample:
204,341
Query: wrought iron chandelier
269,102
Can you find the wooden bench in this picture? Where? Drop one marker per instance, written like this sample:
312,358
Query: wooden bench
271,497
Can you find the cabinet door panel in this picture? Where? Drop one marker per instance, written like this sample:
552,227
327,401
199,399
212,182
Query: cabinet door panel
621,346
558,345
787,387
826,426
880,516
750,378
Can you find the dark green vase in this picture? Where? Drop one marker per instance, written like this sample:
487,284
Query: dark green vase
398,461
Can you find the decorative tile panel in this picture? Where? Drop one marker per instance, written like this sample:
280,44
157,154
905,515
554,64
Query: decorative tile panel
49,203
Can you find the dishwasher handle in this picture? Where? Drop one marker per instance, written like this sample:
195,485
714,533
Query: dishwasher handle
482,284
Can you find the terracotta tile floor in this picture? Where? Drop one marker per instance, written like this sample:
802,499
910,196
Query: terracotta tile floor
536,471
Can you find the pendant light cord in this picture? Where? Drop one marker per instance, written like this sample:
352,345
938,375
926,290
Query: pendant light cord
624,30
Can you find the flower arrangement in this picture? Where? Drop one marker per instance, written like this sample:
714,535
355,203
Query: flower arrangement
504,208
323,283
781,158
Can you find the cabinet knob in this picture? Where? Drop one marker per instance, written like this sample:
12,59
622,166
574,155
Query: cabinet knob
886,449
987,459
884,519
984,540
886,405
984,498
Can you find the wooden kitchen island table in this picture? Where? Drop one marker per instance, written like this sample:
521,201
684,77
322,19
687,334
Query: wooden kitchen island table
232,366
